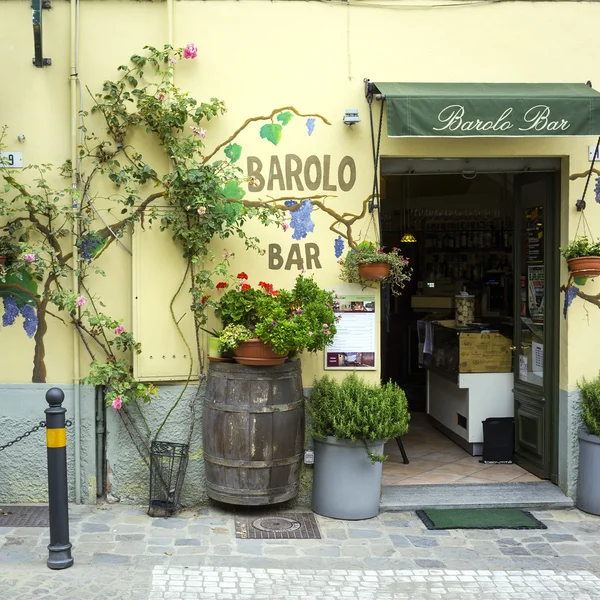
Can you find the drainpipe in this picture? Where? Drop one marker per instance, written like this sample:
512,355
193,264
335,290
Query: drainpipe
170,22
100,431
75,207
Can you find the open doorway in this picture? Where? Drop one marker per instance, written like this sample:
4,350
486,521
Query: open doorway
466,339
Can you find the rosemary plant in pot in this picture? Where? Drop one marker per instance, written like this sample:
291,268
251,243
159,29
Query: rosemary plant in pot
588,483
351,421
367,262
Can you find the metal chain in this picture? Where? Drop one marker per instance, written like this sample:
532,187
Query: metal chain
40,425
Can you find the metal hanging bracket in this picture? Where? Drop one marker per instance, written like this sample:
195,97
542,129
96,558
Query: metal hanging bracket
36,12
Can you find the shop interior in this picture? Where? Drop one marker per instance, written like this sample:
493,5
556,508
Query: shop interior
457,232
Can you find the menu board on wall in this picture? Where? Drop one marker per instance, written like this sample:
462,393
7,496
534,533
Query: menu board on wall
353,346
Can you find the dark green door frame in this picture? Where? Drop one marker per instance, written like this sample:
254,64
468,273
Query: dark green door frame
536,406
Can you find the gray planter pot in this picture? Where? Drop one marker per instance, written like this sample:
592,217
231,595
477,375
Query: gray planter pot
345,483
588,484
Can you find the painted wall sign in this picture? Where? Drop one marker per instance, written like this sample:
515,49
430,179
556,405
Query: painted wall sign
307,260
290,172
353,346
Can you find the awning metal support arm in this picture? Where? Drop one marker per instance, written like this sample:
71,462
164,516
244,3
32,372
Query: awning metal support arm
375,145
36,11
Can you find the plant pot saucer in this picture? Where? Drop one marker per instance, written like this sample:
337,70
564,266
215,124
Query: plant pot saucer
220,359
260,362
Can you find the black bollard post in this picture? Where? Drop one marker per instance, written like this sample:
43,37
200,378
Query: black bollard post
58,499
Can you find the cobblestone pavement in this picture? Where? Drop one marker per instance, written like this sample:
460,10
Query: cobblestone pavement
122,554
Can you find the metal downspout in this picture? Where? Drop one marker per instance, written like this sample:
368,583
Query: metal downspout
75,206
100,431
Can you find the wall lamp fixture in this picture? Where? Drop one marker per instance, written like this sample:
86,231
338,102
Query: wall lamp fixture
351,116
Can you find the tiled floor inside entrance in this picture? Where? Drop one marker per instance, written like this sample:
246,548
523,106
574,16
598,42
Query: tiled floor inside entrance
436,459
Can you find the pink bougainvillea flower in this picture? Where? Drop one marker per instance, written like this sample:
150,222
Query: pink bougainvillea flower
227,254
160,96
172,61
119,329
29,258
80,301
202,210
310,334
253,182
190,51
117,403
284,226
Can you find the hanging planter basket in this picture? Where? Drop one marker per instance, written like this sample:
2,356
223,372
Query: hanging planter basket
584,266
256,353
374,271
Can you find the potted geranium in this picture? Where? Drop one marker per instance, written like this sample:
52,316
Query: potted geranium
367,262
588,484
263,326
583,258
351,421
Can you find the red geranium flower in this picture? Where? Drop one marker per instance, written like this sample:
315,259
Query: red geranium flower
221,285
204,299
242,275
268,287
245,287
274,293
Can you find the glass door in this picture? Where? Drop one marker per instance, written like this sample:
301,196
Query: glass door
536,321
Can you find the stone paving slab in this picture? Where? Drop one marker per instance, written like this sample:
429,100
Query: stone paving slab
119,550
540,495
209,583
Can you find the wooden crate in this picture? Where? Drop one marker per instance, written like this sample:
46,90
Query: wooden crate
484,353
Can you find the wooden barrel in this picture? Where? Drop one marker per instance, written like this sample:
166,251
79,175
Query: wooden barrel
253,432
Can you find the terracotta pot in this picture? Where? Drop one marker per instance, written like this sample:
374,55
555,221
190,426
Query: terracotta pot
374,271
584,266
256,352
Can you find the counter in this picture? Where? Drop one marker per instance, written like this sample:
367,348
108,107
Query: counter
469,378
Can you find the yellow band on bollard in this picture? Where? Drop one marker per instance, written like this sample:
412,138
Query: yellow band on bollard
56,438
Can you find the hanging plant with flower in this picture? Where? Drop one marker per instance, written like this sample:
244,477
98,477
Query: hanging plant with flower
367,262
288,321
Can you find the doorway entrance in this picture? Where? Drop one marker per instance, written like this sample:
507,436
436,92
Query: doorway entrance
481,235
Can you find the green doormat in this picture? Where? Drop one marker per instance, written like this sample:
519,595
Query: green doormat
479,518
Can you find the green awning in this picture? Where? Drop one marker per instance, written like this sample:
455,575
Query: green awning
490,109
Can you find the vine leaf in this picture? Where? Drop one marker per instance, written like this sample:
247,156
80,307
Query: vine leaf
233,152
232,190
23,289
285,117
271,132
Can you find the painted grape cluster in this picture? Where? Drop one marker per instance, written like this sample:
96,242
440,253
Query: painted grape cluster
338,246
300,221
570,295
11,312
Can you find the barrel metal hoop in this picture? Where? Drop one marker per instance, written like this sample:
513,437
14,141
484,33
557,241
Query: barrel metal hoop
252,464
246,492
237,408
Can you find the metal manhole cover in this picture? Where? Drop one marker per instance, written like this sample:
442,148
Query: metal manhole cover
285,526
276,524
24,516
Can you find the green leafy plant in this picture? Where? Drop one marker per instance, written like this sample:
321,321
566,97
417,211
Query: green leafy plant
356,410
581,246
590,404
368,253
289,321
8,247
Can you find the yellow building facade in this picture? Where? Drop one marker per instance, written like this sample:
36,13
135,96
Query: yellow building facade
307,61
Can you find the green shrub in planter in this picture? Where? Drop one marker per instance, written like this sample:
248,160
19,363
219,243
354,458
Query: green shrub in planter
590,404
358,411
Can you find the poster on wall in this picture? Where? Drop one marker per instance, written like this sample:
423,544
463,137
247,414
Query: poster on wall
353,346
534,223
535,292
